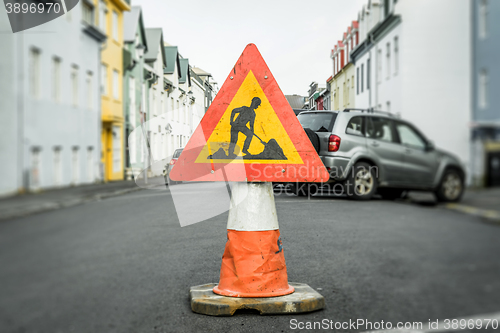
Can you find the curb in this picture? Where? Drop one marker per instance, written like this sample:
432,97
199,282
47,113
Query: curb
48,206
487,214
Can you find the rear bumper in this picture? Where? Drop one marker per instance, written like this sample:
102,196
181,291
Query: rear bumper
336,166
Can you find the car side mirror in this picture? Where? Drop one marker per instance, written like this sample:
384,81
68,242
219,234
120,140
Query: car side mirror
430,146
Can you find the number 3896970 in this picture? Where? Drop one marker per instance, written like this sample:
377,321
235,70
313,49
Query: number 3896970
47,7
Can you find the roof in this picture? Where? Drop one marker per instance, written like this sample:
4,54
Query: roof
172,54
184,64
329,79
295,101
154,37
131,21
200,72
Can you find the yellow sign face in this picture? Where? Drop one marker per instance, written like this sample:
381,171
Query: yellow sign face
249,131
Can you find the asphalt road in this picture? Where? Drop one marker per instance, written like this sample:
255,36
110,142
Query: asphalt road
125,265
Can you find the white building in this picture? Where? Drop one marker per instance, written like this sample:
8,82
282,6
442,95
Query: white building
414,60
50,105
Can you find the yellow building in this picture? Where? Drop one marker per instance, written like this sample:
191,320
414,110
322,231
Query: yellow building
110,18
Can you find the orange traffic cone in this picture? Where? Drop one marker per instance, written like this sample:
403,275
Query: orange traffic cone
253,264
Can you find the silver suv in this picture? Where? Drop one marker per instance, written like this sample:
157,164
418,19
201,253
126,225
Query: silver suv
369,151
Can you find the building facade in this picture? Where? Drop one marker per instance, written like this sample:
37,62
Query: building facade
406,70
343,81
50,103
377,59
135,102
485,133
110,18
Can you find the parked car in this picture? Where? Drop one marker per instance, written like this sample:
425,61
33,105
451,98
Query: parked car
170,165
371,151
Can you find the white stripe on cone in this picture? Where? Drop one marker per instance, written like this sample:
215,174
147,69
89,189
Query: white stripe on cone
256,210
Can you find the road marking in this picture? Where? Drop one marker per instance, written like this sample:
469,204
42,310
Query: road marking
490,215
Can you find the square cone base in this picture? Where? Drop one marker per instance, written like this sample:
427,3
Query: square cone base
304,299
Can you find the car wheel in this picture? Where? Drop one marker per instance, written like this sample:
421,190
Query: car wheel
390,193
451,187
362,182
313,137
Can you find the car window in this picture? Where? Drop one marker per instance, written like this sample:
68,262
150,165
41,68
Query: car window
408,136
318,122
379,129
177,153
355,126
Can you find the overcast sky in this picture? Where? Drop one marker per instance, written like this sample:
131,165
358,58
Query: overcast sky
294,36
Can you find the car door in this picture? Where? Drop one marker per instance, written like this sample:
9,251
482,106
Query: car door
384,149
420,163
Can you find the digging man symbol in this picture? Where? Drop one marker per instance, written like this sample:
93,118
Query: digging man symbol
246,115
242,121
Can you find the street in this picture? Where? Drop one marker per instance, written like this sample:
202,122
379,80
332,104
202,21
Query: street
124,264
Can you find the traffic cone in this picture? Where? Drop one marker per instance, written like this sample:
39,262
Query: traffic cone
253,271
253,263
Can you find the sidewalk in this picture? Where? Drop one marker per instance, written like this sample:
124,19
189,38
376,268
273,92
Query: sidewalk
27,204
484,203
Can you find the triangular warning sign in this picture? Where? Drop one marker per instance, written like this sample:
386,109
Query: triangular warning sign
249,133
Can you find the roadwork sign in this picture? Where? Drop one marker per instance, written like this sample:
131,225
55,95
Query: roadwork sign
249,133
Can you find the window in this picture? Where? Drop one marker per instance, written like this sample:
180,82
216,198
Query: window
344,92
483,19
87,13
117,151
74,85
57,166
355,126
36,168
132,105
362,76
483,89
103,16
357,81
379,129
90,164
115,25
153,97
347,51
409,137
104,80
368,74
379,65
75,170
143,101
56,79
89,90
34,65
388,61
116,84
396,55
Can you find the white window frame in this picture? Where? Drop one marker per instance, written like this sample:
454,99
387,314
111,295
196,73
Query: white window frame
115,30
483,19
483,86
74,85
35,72
116,84
56,79
104,80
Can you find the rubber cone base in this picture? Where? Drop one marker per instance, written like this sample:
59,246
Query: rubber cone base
304,299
